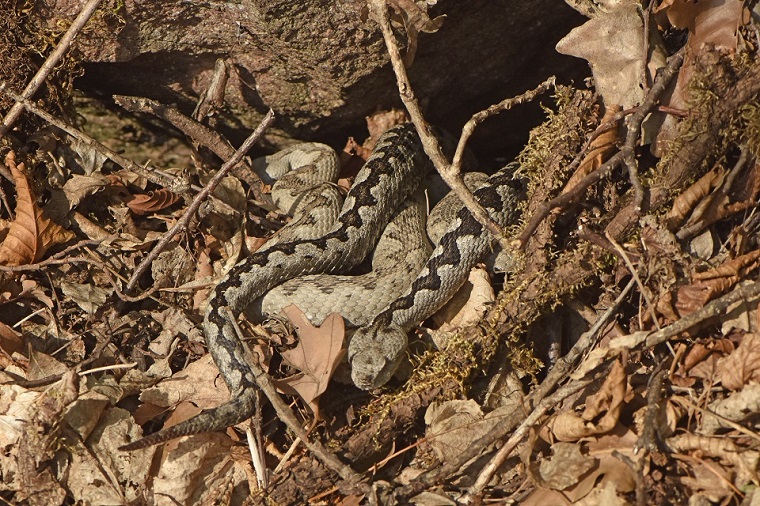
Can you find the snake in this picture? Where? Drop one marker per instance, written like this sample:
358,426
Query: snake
393,172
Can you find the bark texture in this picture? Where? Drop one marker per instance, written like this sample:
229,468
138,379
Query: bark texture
320,64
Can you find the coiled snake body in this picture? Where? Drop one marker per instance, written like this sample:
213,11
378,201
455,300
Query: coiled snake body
393,172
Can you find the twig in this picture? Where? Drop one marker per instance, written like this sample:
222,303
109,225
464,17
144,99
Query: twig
637,470
213,97
332,462
53,258
256,446
95,355
649,439
712,309
635,274
159,177
60,50
80,260
562,200
725,421
635,121
198,200
198,133
480,117
429,142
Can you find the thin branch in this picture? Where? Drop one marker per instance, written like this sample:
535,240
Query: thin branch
200,134
480,117
158,177
571,196
635,274
635,121
60,50
430,144
264,382
198,200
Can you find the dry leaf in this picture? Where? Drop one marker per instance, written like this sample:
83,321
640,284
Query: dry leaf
566,467
317,355
151,202
10,340
743,365
601,413
599,150
610,469
415,20
688,200
613,45
89,297
737,407
31,234
468,305
713,22
585,472
454,425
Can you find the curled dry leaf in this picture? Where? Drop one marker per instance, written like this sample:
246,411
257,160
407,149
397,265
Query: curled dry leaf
714,282
602,409
415,20
151,202
32,233
688,200
744,460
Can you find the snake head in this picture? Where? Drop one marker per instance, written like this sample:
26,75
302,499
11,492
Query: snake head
375,353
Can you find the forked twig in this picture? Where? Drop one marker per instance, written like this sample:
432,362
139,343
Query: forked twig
624,156
198,200
634,122
450,172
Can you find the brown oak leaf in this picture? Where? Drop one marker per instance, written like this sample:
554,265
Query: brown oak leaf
317,355
32,233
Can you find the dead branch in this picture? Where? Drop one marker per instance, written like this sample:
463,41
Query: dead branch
450,174
200,134
635,121
480,117
199,198
154,175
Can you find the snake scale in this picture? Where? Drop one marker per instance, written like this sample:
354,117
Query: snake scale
393,172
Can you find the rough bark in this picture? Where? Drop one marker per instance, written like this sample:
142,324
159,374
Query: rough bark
320,64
